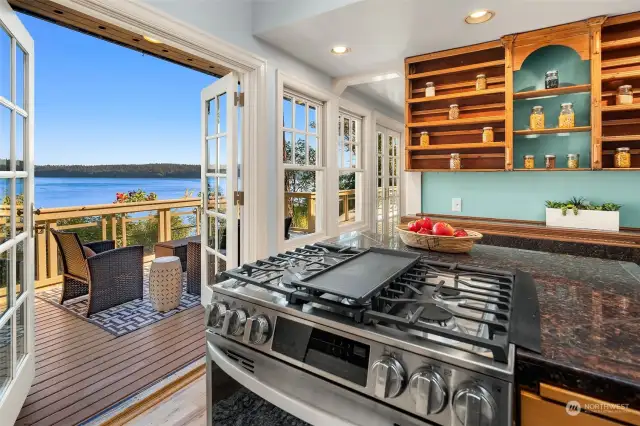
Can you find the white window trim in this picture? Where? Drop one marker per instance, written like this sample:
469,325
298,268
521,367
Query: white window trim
329,118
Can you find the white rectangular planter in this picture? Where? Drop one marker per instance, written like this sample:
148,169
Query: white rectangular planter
585,219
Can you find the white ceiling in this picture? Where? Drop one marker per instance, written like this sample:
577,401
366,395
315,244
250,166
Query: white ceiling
381,33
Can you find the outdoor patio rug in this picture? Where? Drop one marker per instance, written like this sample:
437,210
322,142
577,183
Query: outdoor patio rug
244,408
125,318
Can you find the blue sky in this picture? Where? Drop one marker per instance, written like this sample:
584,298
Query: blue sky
100,103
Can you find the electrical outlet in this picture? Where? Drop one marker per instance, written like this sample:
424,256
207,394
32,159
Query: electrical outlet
456,204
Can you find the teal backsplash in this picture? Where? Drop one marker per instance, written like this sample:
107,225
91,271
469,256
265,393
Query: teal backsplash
521,195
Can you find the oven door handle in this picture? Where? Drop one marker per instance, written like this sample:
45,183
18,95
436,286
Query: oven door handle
288,403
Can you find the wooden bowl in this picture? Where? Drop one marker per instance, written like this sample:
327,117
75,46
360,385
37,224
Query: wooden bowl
437,242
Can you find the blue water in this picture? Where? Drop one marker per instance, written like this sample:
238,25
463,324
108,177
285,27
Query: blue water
63,192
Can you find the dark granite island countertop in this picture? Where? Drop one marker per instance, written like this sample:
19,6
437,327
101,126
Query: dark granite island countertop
590,317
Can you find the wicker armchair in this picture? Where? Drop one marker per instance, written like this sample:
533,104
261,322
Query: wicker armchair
193,268
110,278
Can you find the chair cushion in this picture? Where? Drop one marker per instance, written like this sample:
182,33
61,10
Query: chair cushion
88,252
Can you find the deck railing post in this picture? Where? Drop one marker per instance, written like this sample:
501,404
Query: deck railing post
161,226
52,249
123,224
103,225
41,250
114,228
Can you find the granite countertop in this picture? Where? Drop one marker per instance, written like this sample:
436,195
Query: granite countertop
590,316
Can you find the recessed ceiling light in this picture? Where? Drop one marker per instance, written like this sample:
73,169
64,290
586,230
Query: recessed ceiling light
479,16
340,50
151,39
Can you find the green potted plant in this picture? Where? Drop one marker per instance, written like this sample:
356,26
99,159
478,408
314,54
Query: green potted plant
580,213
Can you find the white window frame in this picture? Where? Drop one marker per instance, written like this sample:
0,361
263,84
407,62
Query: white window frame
326,127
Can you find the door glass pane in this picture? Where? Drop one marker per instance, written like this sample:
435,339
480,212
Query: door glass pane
21,331
5,138
5,276
379,165
211,231
20,207
301,149
5,210
301,115
379,143
20,67
5,64
299,198
212,111
313,119
287,112
20,124
222,113
313,150
20,268
221,236
221,192
346,131
5,355
212,150
222,155
288,147
221,265
211,194
390,146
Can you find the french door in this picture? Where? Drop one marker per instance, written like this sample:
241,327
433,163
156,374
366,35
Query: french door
387,195
220,176
17,358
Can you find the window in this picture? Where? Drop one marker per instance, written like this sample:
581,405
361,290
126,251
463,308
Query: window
303,163
350,169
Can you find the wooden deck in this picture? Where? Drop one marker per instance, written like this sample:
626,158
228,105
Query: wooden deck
82,370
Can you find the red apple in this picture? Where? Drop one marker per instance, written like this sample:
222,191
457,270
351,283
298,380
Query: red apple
413,226
442,229
424,231
460,233
426,223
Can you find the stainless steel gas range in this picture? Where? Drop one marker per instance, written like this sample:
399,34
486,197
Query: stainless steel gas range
342,336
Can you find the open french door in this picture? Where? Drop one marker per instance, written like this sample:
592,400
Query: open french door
387,214
221,115
17,329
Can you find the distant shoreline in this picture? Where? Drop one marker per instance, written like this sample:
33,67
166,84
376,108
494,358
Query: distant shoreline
121,171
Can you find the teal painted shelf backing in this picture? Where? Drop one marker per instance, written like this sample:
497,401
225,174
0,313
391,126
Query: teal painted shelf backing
521,195
559,144
572,70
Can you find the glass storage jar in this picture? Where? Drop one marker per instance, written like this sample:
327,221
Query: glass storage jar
573,161
625,95
429,90
424,138
536,119
487,134
529,161
622,158
551,79
550,161
481,82
567,118
454,112
454,162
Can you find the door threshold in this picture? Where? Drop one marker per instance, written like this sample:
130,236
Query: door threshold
133,406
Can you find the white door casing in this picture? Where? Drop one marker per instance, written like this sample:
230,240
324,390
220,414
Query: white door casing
17,329
219,172
387,180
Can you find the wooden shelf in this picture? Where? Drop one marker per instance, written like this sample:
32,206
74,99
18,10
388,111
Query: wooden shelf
631,169
459,122
469,94
479,66
613,93
625,138
463,156
552,131
552,170
610,108
623,122
619,62
457,146
455,171
621,75
620,44
533,94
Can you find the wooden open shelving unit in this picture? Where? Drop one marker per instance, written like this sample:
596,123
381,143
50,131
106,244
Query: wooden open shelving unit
611,44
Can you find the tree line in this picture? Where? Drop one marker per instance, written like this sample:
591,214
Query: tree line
159,170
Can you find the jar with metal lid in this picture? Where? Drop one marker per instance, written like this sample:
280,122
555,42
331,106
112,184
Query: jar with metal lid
529,161
550,161
567,118
622,158
625,95
454,162
536,119
424,138
573,161
481,82
551,80
454,112
487,134
430,89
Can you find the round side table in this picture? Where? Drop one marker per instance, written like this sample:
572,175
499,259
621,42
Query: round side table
165,283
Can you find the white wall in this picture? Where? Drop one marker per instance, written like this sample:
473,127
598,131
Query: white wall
231,20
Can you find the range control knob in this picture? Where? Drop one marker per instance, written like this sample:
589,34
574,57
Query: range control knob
389,376
429,392
474,406
257,330
234,321
214,314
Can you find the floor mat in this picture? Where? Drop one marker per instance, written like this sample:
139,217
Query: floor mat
244,408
